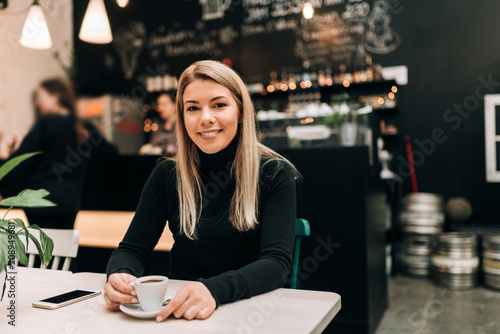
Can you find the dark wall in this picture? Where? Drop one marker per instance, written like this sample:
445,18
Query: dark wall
447,45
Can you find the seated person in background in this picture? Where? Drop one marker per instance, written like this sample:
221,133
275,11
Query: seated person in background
6,148
67,143
163,140
230,202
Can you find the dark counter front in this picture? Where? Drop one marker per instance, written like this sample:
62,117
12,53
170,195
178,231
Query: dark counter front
345,206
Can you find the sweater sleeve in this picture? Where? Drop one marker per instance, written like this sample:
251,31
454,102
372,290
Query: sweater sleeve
146,227
277,235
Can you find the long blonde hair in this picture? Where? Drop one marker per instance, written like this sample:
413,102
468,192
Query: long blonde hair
244,206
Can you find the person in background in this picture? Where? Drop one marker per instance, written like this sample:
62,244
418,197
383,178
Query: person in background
6,148
229,201
163,140
66,143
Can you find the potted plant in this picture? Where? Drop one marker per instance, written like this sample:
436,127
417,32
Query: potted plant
12,230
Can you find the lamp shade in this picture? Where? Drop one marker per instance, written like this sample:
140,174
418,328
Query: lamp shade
95,27
35,33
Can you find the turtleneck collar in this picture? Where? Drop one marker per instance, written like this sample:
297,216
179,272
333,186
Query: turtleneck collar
219,161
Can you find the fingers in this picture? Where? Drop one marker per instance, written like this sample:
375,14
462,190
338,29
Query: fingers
193,301
180,297
110,304
117,296
118,291
121,283
204,313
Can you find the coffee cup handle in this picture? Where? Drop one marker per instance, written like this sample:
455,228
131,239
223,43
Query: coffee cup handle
132,284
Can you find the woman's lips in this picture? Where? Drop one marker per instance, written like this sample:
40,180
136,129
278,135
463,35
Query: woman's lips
209,134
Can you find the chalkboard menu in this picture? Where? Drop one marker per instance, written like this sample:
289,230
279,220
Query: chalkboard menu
257,36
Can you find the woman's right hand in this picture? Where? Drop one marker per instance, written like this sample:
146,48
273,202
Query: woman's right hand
117,290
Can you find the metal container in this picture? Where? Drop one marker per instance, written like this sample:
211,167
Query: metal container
416,254
422,213
455,261
491,261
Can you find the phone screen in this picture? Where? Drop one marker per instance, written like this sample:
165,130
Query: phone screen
67,296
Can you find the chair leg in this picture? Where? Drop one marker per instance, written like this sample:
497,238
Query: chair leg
31,261
295,266
55,263
67,263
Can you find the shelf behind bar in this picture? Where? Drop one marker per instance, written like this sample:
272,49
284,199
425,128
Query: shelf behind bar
329,89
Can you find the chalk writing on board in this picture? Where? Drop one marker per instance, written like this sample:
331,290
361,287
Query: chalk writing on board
380,37
128,43
214,9
340,30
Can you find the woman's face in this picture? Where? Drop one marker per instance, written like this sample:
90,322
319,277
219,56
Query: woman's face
211,115
46,102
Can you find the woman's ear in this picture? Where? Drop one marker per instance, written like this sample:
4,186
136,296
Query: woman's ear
240,118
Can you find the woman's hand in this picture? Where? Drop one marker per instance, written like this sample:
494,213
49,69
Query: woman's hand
193,301
118,291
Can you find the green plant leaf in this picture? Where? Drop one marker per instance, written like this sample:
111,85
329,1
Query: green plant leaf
4,223
35,241
12,163
4,255
28,199
20,251
20,224
47,245
4,278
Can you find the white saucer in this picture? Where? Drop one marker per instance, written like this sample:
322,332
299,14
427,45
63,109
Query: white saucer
134,310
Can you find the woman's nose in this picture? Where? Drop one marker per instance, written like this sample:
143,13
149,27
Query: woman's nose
207,117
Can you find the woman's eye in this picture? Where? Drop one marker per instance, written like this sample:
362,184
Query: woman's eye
219,105
193,108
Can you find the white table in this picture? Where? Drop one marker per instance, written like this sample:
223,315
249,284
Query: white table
278,311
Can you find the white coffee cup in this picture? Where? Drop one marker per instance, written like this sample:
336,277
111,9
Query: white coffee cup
150,292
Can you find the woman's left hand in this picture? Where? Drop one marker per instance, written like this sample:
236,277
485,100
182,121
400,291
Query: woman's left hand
193,301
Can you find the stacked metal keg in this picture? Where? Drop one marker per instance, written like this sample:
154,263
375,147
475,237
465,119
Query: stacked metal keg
422,217
455,260
491,261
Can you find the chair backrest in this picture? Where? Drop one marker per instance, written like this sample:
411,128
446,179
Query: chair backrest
302,229
65,246
14,213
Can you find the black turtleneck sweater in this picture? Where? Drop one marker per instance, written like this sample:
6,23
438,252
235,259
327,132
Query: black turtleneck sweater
232,264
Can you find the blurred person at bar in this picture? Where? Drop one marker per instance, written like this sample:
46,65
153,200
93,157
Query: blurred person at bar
163,140
66,143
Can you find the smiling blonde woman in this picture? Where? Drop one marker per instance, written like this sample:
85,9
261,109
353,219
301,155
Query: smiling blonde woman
230,202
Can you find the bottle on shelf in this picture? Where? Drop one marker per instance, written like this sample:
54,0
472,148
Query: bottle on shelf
321,78
328,76
348,72
284,79
356,71
314,77
369,68
340,76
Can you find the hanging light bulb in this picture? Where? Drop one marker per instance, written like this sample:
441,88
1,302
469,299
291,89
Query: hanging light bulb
122,3
95,27
308,11
35,33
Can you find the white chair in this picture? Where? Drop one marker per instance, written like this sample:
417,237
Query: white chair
65,242
65,246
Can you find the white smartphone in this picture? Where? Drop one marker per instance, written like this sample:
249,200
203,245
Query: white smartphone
66,299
